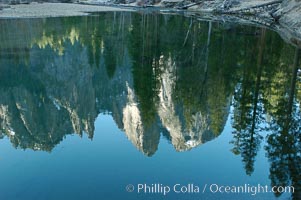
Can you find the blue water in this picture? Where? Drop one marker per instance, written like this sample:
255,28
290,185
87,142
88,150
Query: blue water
94,106
78,168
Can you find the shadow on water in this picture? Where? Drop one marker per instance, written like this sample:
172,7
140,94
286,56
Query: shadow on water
156,75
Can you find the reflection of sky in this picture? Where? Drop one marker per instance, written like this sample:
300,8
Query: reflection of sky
84,169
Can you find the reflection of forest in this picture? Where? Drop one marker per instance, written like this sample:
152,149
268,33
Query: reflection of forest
154,74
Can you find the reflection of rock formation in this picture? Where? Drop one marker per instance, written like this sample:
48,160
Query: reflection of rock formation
72,89
146,140
166,108
57,75
184,135
39,108
47,93
132,120
23,110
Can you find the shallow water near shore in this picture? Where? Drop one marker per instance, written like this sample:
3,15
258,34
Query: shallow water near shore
122,105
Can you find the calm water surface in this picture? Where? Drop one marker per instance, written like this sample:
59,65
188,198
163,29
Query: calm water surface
91,104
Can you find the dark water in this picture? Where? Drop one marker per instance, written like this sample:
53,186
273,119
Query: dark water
91,104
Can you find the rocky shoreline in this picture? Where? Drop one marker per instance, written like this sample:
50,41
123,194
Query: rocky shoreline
283,16
42,10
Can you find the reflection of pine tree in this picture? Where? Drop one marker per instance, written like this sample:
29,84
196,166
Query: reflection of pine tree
248,111
284,142
115,42
222,63
95,41
110,48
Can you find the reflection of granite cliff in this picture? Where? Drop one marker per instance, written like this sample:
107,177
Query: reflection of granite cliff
28,117
47,93
145,139
185,133
47,102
